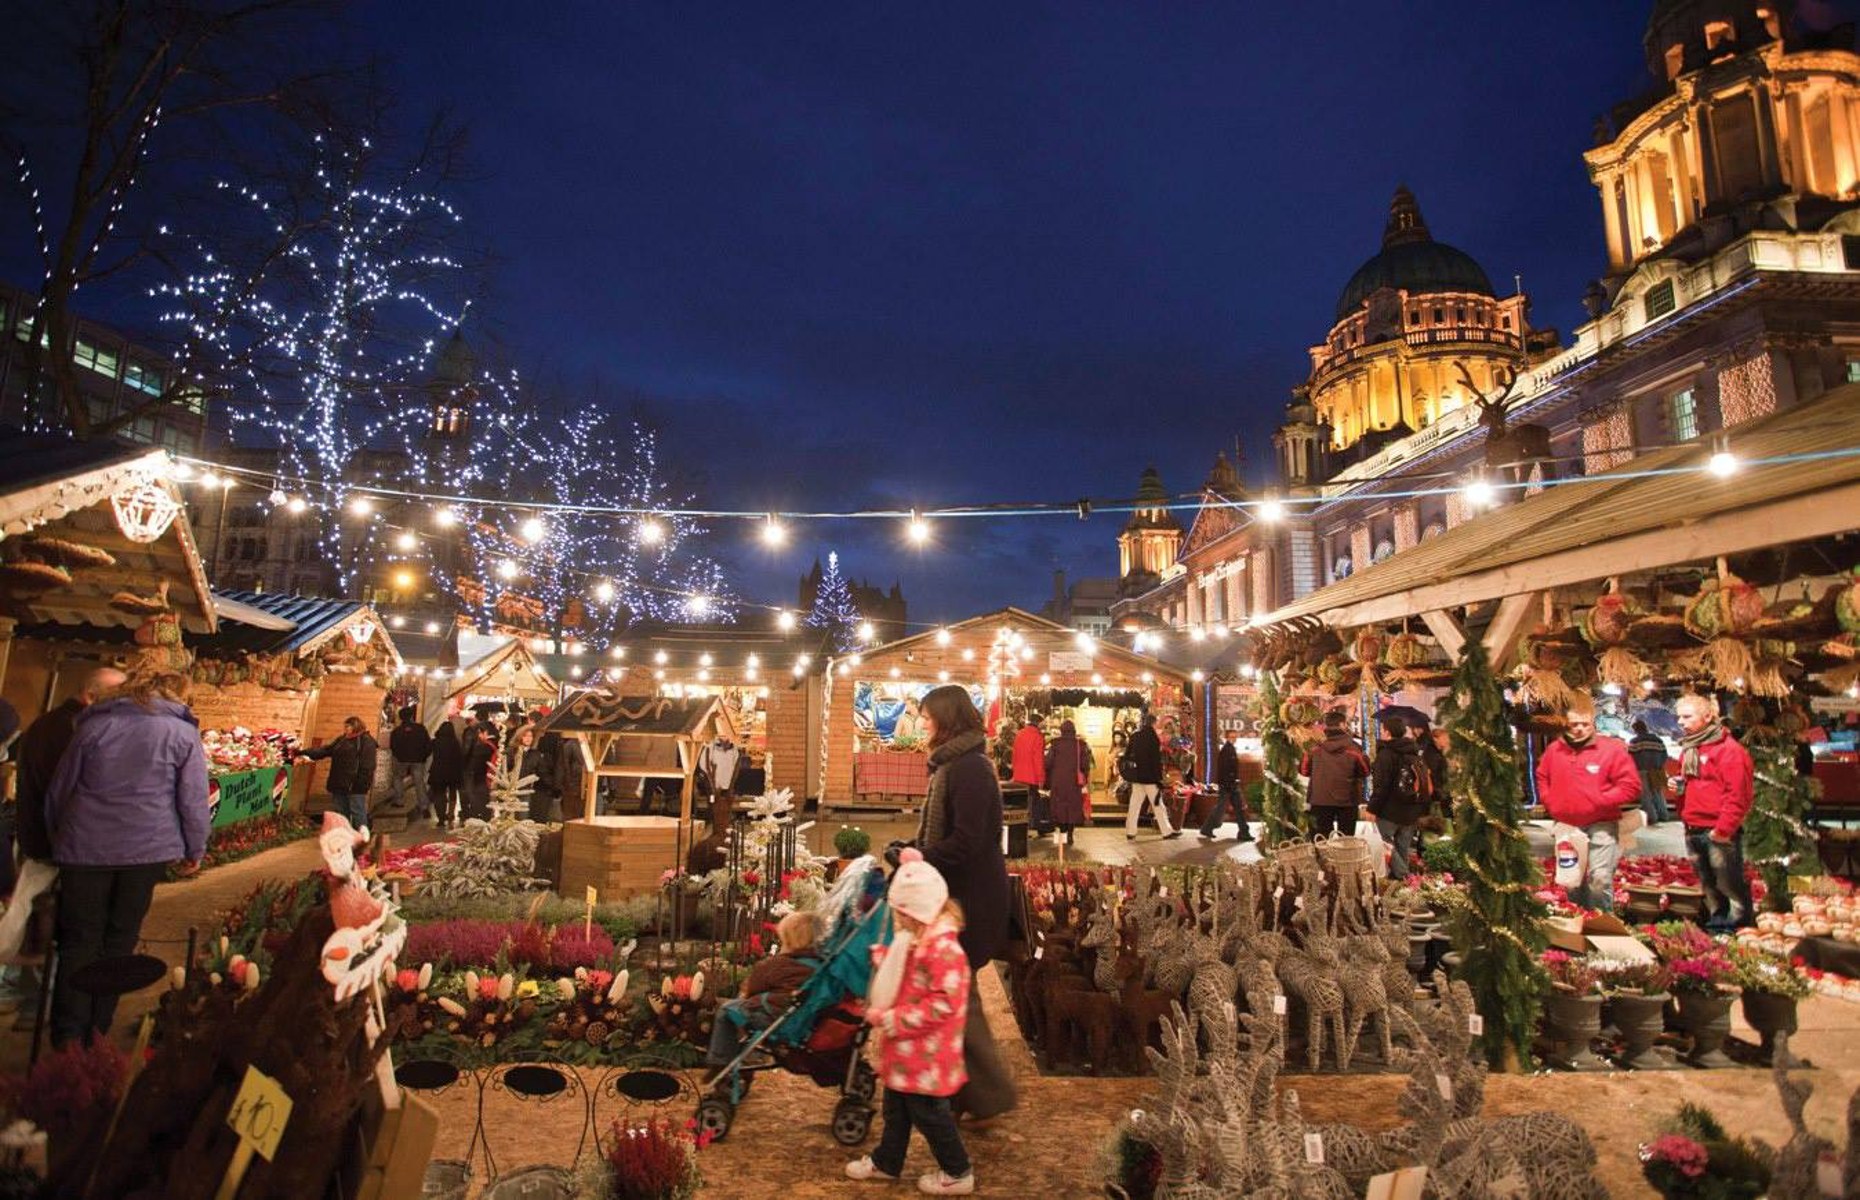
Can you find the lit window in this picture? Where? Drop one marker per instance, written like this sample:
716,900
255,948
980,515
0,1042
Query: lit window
1853,370
192,399
1682,415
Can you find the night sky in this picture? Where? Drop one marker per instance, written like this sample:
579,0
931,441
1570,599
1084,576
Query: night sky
912,255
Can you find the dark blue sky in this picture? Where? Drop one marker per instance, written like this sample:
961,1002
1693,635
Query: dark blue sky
854,256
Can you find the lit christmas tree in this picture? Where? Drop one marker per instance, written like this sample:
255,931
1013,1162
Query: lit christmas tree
1282,798
1498,928
833,608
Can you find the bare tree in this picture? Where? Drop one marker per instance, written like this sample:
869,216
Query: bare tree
107,94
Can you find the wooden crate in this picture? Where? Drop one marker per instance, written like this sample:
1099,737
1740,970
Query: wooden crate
618,856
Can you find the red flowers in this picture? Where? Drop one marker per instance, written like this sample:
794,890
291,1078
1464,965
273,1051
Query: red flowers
487,988
1679,1152
407,979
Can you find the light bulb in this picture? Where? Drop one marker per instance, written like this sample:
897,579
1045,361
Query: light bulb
616,652
1198,634
784,621
867,631
1096,679
278,497
407,541
209,479
397,621
180,472
432,627
506,569
445,518
918,530
661,658
1479,493
604,592
968,654
895,673
1195,675
575,672
1269,511
772,532
1026,653
651,533
1085,644
705,660
361,506
803,660
532,529
943,637
1723,464
858,660
403,580
296,504
1046,680
699,605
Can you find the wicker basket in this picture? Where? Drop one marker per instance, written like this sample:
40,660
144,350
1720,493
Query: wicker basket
531,1183
1342,852
1292,855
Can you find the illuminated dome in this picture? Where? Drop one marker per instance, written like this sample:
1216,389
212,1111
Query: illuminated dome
1412,261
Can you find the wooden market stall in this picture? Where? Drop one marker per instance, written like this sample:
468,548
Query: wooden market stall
1625,585
1013,663
510,673
639,738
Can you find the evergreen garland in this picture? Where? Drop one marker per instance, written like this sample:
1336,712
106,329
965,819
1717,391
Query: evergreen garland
1282,801
1776,833
1498,931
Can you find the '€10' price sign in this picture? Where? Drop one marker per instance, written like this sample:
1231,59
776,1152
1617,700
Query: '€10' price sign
258,1115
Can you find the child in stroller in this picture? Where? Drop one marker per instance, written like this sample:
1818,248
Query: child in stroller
768,991
821,1032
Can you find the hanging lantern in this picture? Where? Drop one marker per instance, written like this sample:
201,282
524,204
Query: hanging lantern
361,632
145,511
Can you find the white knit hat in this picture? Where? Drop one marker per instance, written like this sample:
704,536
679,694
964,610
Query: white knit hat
917,889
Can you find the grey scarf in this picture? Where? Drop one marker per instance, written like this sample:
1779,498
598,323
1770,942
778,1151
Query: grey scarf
936,804
1689,764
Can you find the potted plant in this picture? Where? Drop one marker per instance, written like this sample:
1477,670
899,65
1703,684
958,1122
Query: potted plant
1704,984
1771,989
1573,1009
1635,1000
1695,1158
652,1161
849,842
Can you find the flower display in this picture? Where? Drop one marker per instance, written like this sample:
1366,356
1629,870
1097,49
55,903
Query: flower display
241,749
1678,1152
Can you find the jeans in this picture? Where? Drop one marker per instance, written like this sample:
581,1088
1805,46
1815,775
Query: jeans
1150,793
1326,819
1597,890
404,772
1400,839
1653,797
727,1037
1720,868
100,911
1229,797
353,805
932,1117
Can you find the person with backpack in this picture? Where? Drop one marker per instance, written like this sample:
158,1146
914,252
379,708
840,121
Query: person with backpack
1586,782
1401,793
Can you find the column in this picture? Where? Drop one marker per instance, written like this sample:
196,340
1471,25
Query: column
1635,227
1611,220
1764,105
1841,130
1194,600
1801,173
1711,187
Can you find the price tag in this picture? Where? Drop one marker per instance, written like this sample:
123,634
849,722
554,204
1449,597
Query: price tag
1475,1025
1039,952
259,1112
591,895
1314,1149
1445,1085
1405,1184
1278,1005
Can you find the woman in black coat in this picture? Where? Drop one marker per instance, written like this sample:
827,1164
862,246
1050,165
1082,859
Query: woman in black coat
445,773
960,835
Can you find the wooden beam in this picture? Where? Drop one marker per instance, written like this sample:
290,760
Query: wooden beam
1502,634
1447,631
1799,518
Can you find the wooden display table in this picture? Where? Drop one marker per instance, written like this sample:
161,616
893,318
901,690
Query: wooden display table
617,856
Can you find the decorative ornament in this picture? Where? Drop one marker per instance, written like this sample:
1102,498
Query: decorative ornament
145,511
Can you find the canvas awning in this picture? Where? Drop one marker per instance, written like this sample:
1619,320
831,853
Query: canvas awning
1660,510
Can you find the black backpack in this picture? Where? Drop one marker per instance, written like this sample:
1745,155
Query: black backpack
1414,783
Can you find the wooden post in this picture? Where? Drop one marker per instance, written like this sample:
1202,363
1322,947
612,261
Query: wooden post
1447,631
1502,634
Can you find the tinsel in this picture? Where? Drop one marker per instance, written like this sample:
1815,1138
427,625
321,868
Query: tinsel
1282,801
1498,932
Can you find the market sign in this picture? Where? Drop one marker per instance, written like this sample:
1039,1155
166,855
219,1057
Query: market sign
1068,660
243,795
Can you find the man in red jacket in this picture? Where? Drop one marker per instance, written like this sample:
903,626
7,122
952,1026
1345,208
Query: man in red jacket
1586,781
1717,783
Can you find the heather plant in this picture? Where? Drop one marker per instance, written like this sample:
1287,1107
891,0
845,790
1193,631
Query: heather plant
69,1090
653,1161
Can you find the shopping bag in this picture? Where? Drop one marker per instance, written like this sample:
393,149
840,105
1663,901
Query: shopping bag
1378,849
1632,822
1572,855
1040,811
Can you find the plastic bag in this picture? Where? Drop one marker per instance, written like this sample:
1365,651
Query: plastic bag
1378,849
1572,855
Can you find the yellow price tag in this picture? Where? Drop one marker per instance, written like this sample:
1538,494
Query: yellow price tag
590,895
259,1112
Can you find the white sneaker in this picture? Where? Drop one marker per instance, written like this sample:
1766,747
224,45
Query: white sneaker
864,1168
936,1183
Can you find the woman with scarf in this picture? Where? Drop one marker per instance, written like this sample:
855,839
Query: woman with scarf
960,835
1717,783
1068,775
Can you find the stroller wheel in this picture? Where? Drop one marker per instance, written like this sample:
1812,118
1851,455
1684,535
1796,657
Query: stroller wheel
714,1115
852,1121
864,1083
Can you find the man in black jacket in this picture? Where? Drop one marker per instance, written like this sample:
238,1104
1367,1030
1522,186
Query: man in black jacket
410,745
1142,770
1227,781
1401,793
1336,769
351,769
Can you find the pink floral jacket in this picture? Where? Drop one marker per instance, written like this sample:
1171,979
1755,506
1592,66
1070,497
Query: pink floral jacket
920,1050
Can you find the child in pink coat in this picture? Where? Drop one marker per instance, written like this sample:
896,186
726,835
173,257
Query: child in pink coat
918,1002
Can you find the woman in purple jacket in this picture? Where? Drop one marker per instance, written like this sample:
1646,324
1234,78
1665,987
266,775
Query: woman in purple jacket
129,797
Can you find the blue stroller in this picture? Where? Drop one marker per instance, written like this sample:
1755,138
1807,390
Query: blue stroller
822,1031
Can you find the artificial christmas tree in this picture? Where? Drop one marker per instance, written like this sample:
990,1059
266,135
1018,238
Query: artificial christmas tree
1776,834
833,607
1282,802
1498,929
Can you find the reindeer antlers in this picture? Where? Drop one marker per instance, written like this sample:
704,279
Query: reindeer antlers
1507,380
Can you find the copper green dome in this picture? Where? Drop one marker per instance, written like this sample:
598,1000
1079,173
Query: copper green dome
1412,261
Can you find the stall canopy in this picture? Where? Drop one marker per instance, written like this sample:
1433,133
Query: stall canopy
61,498
309,624
1660,510
640,737
510,670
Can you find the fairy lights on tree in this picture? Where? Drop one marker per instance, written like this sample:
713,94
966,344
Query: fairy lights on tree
834,609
